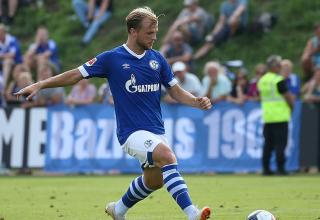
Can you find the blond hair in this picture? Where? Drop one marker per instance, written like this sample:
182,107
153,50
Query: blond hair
136,16
287,62
212,64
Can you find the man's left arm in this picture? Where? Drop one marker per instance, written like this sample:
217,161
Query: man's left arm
184,97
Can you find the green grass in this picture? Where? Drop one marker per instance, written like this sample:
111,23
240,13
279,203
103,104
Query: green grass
231,197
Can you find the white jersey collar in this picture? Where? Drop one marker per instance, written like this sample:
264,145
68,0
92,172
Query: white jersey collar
133,53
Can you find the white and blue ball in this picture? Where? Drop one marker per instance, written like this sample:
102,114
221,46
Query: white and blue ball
261,215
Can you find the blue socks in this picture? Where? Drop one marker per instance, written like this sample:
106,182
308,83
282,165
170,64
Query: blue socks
136,192
176,185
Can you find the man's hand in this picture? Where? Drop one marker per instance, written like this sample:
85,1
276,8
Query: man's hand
203,103
29,91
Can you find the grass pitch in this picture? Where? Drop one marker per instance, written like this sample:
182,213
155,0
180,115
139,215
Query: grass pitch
231,197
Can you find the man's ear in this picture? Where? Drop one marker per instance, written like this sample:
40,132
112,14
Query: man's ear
132,31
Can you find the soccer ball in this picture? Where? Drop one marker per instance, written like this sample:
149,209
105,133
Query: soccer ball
261,215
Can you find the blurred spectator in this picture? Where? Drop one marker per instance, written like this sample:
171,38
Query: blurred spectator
292,79
277,104
12,6
42,51
311,54
23,79
312,88
9,53
82,93
2,99
49,96
92,15
177,49
233,20
192,21
13,85
216,85
188,81
253,92
105,95
240,87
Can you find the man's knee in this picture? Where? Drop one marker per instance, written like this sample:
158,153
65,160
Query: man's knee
163,155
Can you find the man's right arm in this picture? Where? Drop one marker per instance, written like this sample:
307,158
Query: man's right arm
67,78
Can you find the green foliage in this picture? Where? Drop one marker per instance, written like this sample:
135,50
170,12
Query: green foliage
288,38
231,197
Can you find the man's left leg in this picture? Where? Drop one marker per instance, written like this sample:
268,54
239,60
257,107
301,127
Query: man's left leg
164,157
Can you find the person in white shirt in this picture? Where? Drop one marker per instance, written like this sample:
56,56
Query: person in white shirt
216,85
188,81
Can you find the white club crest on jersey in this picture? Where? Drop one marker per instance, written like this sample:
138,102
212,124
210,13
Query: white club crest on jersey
126,66
154,64
133,88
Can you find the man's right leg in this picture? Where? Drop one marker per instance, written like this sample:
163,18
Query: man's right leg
139,189
139,145
267,149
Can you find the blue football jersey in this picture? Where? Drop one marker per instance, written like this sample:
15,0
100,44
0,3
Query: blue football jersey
135,83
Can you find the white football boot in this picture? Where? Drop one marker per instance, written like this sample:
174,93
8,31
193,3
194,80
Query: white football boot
110,210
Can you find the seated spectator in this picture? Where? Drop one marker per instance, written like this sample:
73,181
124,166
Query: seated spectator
82,93
105,95
312,88
311,54
177,50
92,15
24,79
12,6
9,53
188,81
191,21
292,79
49,96
42,51
13,85
253,92
233,20
240,88
2,99
216,85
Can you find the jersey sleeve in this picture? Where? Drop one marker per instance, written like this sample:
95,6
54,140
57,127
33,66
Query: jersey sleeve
167,77
96,67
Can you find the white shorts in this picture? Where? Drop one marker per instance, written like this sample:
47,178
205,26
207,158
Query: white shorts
140,145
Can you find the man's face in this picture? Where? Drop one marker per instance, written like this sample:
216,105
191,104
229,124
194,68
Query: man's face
180,75
285,70
177,39
213,73
146,35
42,35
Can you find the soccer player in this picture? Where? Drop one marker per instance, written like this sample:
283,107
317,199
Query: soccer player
135,73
